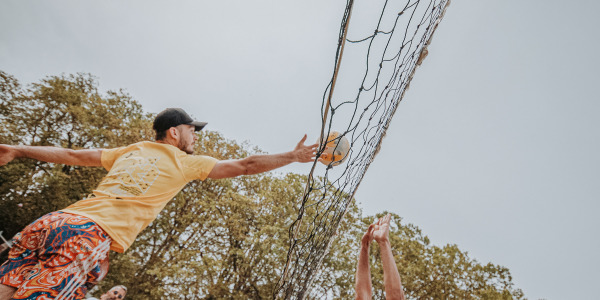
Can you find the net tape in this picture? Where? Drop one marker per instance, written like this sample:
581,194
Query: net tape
391,49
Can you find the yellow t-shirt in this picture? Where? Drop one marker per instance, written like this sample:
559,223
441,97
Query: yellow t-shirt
142,178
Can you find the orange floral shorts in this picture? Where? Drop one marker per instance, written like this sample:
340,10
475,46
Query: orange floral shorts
59,256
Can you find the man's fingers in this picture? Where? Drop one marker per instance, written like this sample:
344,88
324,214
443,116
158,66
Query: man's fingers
387,219
306,153
370,230
302,140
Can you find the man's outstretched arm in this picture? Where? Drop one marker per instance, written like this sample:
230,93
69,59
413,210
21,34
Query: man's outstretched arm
263,163
91,158
363,285
391,277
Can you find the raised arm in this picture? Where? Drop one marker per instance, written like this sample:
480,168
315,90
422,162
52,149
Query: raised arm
50,154
263,163
391,277
363,285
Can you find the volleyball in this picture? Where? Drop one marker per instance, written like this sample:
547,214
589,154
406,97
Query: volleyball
336,149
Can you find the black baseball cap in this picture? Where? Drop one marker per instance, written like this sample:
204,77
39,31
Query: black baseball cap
172,117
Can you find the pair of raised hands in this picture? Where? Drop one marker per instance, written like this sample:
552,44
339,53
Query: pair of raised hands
378,231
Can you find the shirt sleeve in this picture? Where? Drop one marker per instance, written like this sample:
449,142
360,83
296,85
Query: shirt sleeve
197,166
109,156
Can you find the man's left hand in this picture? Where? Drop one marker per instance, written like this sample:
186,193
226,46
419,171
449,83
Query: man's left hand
7,154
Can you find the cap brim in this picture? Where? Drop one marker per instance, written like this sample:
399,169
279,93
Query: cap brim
198,125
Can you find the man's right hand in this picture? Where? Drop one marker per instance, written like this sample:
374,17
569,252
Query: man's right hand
305,153
381,231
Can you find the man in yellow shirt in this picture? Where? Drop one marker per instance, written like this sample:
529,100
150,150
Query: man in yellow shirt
65,253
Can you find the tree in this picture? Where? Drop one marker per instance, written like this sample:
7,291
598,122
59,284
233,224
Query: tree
64,111
432,272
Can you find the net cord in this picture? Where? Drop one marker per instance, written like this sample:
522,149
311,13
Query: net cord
297,224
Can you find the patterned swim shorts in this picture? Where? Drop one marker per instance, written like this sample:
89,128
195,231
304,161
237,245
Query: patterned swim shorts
59,256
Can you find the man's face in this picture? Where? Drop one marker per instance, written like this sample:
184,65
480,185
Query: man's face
115,293
187,138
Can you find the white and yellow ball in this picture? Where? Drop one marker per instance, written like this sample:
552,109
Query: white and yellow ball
336,149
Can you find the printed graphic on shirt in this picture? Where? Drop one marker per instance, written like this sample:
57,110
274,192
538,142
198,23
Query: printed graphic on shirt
132,175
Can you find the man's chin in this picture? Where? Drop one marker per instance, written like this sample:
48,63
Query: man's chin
186,150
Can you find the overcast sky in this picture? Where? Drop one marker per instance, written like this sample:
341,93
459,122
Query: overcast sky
494,147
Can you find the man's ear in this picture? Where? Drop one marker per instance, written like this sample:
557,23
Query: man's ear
173,133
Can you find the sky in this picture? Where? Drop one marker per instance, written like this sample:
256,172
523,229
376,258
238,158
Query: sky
494,147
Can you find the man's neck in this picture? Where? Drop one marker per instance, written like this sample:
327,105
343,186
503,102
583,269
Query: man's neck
168,142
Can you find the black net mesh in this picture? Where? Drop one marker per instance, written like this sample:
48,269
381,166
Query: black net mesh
382,47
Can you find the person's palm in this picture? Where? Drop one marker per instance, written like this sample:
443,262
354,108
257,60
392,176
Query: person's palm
381,230
305,153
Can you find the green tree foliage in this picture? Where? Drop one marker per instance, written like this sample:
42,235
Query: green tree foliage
217,239
432,272
63,111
